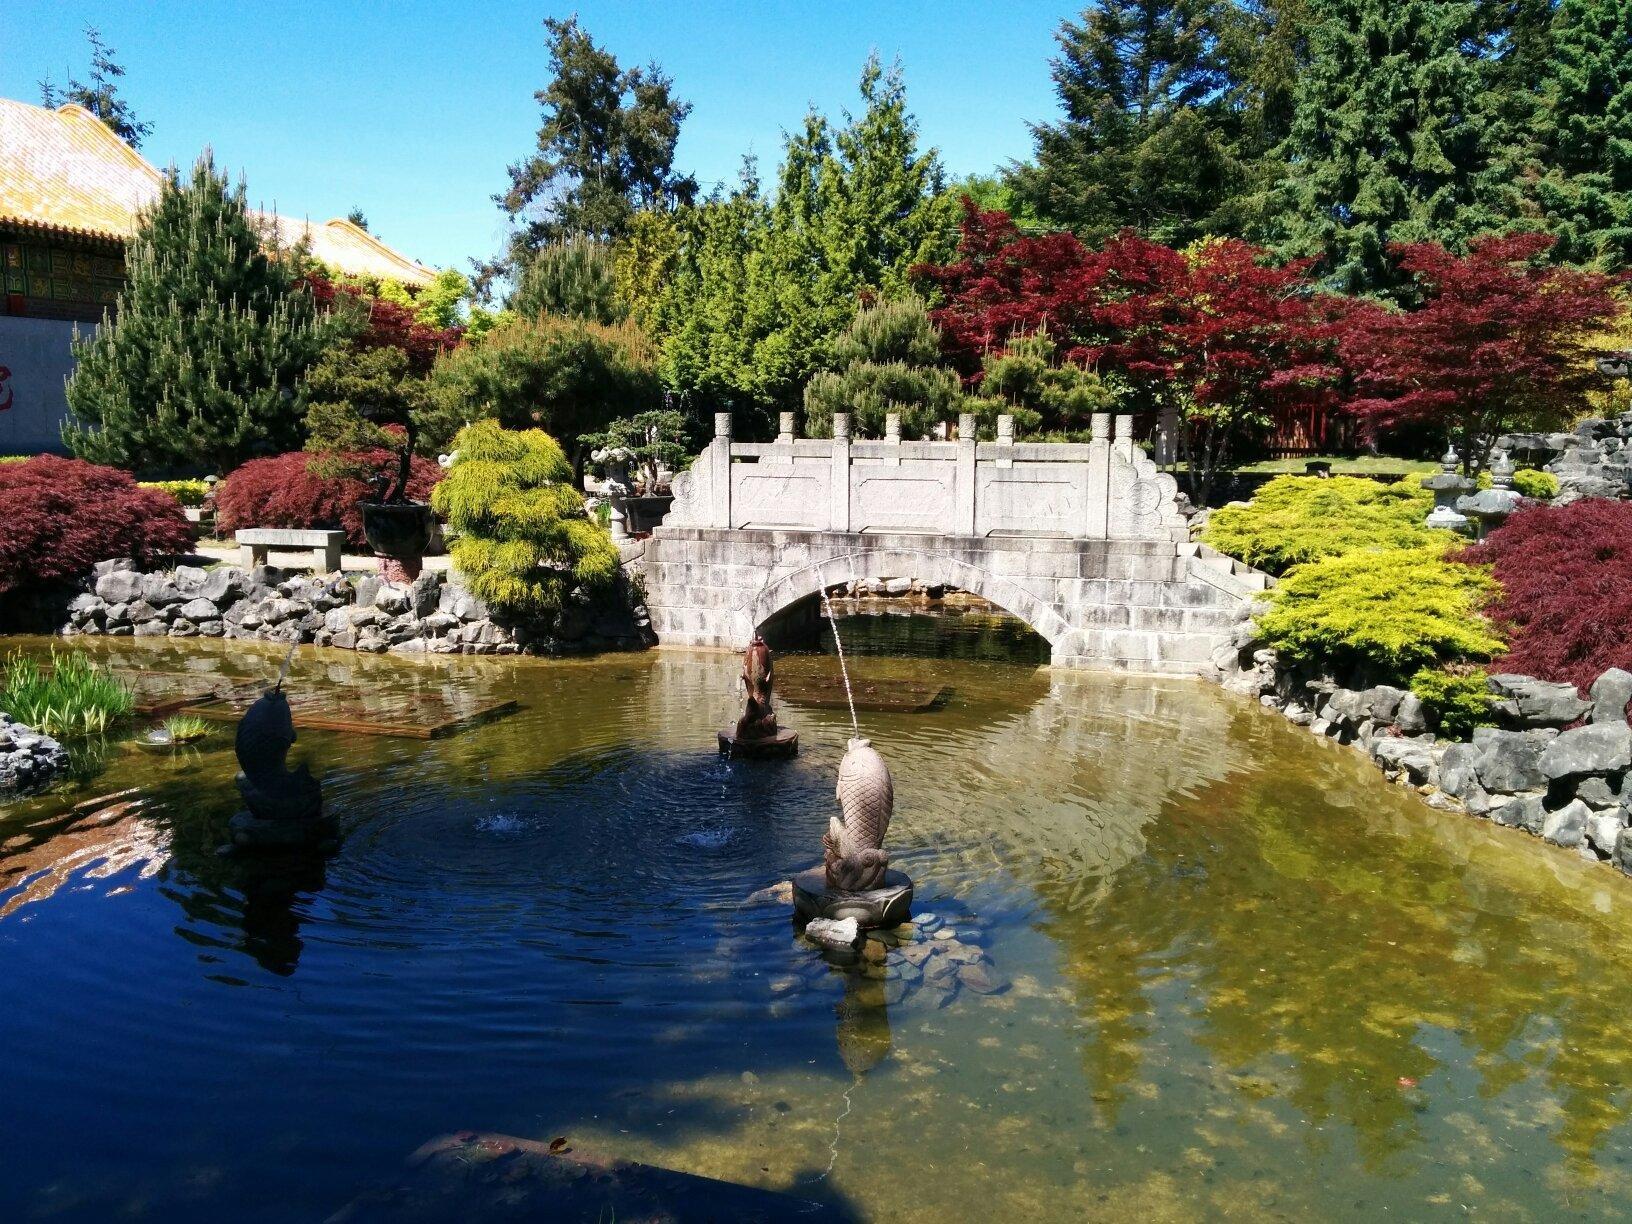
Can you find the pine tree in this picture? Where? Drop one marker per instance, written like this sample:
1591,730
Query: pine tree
576,278
1147,140
1584,134
605,150
199,368
100,94
1388,142
887,360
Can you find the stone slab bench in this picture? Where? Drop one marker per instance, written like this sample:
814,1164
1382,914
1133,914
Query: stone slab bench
325,545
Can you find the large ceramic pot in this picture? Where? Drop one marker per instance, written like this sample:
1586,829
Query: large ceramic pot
398,529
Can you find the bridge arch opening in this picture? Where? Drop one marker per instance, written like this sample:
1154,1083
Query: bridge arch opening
920,622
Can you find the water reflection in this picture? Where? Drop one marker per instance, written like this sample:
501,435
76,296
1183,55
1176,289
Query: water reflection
1248,980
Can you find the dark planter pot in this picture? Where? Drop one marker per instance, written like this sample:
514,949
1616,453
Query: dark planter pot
645,513
400,529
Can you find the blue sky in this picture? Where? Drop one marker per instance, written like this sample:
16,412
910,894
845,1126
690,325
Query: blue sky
411,109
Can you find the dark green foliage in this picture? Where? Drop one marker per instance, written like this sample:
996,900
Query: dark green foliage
646,442
1028,381
576,278
100,94
1580,178
887,360
1388,141
605,148
200,367
361,400
570,376
1147,137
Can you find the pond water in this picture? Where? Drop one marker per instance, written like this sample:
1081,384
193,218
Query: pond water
1248,980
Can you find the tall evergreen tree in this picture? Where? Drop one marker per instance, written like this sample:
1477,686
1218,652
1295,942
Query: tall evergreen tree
576,278
1388,142
605,149
199,368
1147,140
1583,135
762,289
100,94
888,360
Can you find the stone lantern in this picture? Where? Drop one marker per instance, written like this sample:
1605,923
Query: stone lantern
1447,486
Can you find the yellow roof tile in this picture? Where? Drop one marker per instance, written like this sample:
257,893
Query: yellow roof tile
64,170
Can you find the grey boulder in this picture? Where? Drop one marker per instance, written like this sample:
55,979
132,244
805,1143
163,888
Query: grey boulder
1537,703
1599,749
1610,694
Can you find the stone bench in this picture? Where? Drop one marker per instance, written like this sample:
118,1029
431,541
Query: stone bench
325,545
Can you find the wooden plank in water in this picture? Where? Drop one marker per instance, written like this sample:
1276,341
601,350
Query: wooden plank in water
327,711
895,696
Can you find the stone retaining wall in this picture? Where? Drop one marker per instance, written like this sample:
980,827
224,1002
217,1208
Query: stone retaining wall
432,615
1557,767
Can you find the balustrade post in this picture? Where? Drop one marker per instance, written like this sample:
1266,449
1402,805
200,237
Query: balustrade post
720,470
839,477
968,440
1096,522
1005,437
1124,436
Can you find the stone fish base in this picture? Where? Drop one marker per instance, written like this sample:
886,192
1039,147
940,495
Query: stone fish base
887,906
253,833
783,744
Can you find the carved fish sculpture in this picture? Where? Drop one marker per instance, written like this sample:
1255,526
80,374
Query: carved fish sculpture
271,791
758,719
853,846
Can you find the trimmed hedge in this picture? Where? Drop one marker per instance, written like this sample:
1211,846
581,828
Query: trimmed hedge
284,491
1543,486
59,517
187,492
1295,519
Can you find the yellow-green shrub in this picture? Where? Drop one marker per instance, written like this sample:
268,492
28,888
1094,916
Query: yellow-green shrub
1543,486
1383,613
187,492
523,540
1294,519
1455,700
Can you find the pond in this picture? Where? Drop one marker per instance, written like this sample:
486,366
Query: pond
1247,979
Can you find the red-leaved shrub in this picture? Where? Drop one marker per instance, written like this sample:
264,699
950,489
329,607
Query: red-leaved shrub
1566,575
59,517
284,492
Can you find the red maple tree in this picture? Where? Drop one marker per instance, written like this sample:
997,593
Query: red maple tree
1496,344
386,323
1218,333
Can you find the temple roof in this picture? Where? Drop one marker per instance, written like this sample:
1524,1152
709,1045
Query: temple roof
63,171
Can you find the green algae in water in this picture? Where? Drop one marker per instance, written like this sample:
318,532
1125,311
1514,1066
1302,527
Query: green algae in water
1248,979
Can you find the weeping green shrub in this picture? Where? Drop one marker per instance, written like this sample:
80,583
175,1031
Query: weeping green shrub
1384,614
522,538
1543,486
69,697
1456,700
1294,519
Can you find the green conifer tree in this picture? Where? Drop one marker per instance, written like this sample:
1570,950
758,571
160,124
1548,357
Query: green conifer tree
199,367
1148,138
1583,189
576,278
887,360
1388,142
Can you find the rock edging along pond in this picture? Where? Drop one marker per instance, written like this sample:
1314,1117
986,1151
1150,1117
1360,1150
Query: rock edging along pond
1545,771
432,615
30,760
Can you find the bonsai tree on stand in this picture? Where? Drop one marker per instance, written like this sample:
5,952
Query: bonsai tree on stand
648,442
363,401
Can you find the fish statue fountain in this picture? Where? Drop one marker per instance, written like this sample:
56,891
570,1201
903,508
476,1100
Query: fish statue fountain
855,881
853,847
285,805
757,733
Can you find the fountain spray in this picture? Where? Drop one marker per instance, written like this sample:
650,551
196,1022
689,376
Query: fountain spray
844,672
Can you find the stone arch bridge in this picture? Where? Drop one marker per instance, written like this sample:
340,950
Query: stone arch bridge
1083,542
